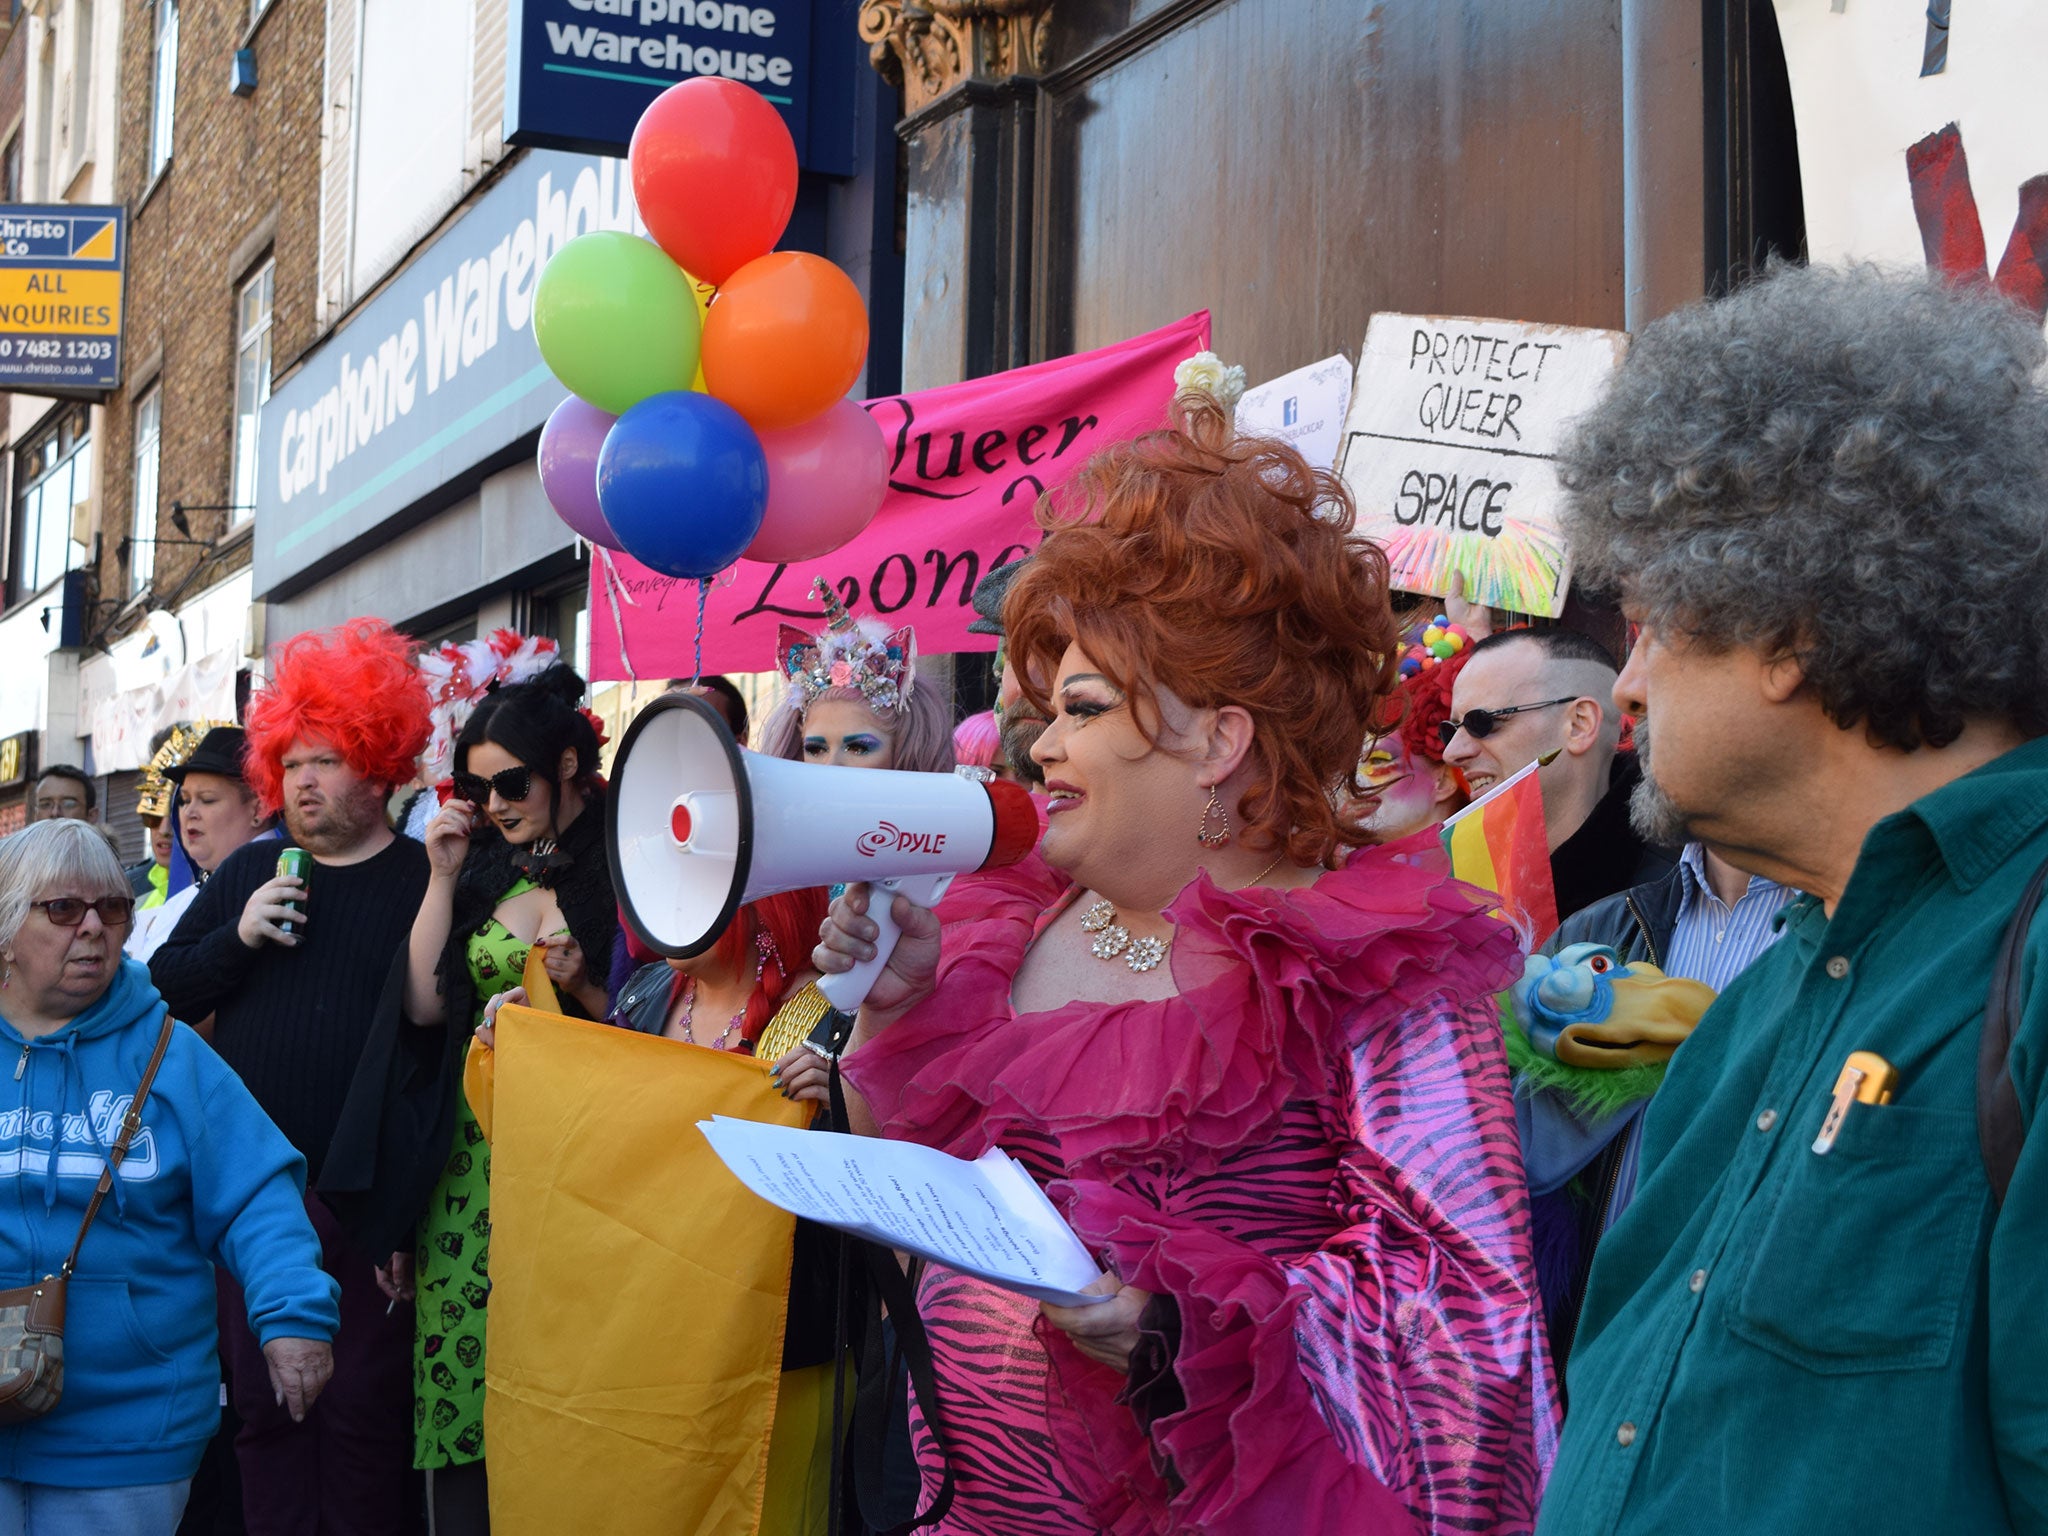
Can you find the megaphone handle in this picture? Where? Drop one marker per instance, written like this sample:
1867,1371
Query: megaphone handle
847,990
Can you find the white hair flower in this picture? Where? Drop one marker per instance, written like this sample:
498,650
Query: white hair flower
1207,372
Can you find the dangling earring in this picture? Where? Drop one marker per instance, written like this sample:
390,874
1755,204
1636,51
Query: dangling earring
7,976
1219,836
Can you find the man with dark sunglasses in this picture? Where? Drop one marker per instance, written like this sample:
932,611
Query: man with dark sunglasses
1529,693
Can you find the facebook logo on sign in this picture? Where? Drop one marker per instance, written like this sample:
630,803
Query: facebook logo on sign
1290,410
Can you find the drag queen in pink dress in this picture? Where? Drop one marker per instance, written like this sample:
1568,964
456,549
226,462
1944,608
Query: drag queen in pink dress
1256,1063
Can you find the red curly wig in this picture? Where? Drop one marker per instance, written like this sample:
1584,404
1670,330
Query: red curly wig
1221,569
1422,703
353,686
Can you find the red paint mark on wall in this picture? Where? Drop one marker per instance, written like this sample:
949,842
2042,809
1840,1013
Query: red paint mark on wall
1953,236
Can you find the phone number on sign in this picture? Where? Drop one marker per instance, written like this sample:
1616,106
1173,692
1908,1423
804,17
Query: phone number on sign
49,348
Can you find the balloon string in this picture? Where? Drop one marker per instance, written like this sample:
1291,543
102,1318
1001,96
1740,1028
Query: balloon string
614,588
703,597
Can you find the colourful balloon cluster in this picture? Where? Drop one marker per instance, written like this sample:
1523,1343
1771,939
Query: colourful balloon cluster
709,418
1439,642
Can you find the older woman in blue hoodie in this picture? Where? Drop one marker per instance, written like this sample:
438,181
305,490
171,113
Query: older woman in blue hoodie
208,1180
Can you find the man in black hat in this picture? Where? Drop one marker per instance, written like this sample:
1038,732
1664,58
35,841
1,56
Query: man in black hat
1018,718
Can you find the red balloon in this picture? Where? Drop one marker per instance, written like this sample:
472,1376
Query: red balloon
714,173
785,338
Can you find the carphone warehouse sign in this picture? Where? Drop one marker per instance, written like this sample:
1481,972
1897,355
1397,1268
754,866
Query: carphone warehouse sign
582,71
413,398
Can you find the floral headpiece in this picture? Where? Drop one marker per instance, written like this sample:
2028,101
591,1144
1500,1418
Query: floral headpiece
460,673
153,790
882,670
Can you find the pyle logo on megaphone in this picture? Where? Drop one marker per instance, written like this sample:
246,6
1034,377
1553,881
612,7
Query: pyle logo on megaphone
890,838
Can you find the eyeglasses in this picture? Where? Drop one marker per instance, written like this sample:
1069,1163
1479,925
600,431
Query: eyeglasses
1481,723
49,807
69,911
512,785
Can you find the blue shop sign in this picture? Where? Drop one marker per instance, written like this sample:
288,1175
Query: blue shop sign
582,71
432,385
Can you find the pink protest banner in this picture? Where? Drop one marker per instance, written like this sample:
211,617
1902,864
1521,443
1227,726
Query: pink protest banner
967,462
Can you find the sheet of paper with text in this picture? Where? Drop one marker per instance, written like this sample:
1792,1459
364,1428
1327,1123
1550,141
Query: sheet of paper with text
985,1218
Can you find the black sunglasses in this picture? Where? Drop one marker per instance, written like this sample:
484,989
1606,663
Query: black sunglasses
1481,723
512,785
69,911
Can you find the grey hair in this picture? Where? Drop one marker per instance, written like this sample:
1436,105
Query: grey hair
1848,464
66,858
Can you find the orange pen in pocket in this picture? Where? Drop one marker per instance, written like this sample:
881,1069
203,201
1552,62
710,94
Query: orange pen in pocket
1865,1078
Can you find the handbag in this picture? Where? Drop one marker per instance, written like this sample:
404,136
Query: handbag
32,1316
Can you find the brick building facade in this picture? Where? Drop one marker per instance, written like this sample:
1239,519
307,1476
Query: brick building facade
240,190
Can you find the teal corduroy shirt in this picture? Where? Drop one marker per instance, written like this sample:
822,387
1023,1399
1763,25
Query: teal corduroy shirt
1777,1340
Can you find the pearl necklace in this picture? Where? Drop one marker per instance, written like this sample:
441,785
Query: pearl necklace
1112,938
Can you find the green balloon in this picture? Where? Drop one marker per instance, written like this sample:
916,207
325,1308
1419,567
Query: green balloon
616,320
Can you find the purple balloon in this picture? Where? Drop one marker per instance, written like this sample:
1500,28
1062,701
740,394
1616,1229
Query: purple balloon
569,445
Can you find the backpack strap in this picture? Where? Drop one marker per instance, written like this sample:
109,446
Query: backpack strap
2000,1131
130,1124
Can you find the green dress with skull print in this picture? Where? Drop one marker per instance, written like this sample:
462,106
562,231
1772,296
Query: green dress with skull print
452,1269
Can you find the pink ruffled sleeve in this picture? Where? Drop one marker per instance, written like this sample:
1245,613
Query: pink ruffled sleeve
908,1074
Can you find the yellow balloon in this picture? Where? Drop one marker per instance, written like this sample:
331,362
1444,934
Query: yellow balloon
702,292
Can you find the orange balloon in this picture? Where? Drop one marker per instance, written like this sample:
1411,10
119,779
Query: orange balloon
786,337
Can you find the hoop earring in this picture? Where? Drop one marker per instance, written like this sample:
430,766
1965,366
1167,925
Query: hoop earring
1218,836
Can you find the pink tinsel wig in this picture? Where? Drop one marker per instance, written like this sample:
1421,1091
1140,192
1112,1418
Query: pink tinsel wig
977,740
354,687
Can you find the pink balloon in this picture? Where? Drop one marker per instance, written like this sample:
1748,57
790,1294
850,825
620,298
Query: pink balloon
826,480
568,468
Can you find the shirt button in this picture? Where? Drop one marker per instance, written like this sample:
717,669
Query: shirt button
1718,937
1767,1119
1698,1282
1838,967
1626,1435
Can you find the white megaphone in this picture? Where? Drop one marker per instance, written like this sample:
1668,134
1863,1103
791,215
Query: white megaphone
697,827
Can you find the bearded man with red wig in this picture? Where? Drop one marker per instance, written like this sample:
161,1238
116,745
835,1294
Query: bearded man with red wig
290,970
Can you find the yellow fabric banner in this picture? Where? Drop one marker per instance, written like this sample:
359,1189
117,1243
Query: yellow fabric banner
638,1289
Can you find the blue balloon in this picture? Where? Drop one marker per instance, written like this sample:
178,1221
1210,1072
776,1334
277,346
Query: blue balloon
684,484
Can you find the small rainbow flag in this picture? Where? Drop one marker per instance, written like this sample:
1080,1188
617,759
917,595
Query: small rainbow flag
1498,843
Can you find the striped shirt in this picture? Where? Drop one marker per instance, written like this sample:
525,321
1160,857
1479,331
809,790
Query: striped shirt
1711,942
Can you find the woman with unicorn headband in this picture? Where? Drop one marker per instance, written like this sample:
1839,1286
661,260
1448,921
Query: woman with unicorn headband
854,699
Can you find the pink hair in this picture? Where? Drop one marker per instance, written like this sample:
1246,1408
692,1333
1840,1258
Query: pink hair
354,687
977,740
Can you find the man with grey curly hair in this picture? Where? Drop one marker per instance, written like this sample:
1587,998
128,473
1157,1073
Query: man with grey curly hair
1825,500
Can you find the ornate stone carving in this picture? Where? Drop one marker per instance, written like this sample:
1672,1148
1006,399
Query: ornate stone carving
930,46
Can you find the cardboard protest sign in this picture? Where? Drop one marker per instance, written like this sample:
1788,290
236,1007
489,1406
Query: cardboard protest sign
1304,408
1449,449
967,464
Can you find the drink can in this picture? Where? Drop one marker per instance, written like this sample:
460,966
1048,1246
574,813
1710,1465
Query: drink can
297,863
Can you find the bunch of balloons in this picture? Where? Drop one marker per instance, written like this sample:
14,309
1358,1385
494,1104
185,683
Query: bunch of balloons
710,371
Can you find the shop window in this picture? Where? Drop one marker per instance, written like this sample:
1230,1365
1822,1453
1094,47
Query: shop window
149,420
53,480
165,98
564,616
252,382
